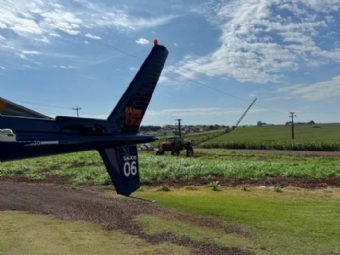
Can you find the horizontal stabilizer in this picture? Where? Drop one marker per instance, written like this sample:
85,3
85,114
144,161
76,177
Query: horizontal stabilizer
11,109
122,165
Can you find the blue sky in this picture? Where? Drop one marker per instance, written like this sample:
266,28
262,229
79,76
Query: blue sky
58,54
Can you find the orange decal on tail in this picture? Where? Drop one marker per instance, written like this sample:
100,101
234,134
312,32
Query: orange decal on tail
133,116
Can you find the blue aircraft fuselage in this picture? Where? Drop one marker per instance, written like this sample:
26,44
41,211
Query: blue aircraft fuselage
115,138
42,137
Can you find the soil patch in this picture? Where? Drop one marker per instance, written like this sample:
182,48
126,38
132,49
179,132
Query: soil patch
50,179
309,183
86,204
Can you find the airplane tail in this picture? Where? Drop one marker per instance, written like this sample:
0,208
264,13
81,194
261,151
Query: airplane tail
122,165
122,162
130,109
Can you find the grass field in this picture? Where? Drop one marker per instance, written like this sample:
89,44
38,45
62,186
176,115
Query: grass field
320,137
288,220
22,233
294,221
87,167
259,220
325,132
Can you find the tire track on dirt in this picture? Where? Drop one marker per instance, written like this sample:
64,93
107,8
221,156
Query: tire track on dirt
111,213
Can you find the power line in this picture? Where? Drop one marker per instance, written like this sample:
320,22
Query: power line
189,79
309,113
77,110
54,106
127,53
192,80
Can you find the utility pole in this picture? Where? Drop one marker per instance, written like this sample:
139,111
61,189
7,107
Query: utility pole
77,109
179,127
292,115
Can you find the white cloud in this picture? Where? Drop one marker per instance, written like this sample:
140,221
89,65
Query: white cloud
132,68
47,19
93,36
51,26
3,68
58,6
207,112
21,55
324,5
142,41
62,66
315,92
32,52
258,45
275,98
143,23
43,39
163,79
2,25
54,35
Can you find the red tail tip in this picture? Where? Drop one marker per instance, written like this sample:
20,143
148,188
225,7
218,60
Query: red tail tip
155,42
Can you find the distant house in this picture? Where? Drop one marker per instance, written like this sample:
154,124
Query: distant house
165,132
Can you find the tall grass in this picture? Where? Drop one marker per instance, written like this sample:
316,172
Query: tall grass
88,168
275,145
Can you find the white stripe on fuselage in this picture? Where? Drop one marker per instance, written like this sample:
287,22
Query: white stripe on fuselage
38,143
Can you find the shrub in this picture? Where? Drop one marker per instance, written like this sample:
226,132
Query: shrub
164,188
215,186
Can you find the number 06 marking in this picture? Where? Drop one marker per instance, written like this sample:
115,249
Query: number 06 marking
130,168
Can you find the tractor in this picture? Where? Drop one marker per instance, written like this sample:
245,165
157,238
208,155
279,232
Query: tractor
176,144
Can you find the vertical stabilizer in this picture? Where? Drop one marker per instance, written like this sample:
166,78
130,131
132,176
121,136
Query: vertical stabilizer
130,109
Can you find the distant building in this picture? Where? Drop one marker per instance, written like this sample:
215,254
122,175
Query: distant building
259,124
165,132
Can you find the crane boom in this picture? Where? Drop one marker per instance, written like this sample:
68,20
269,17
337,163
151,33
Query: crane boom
206,138
244,114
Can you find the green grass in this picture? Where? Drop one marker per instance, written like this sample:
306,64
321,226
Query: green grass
290,222
320,137
326,132
324,138
22,233
87,167
293,221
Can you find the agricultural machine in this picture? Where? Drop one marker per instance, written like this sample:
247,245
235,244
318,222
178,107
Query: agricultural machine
176,144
